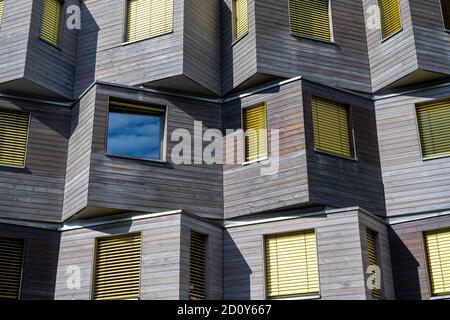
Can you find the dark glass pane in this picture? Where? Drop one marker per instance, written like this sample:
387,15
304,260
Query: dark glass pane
134,134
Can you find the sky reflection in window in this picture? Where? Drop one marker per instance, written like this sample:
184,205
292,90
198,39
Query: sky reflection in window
134,134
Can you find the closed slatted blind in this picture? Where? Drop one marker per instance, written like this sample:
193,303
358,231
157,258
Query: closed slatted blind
197,266
438,251
13,138
51,21
291,264
391,21
11,256
254,122
373,258
434,128
117,267
129,105
310,18
240,10
331,127
1,9
446,13
148,18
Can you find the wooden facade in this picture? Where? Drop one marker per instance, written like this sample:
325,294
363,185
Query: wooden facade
70,191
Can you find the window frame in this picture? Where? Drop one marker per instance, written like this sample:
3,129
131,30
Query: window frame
26,143
443,16
124,40
378,260
260,159
236,39
3,14
94,262
419,139
384,39
331,26
351,130
206,263
427,264
58,45
24,248
163,144
313,296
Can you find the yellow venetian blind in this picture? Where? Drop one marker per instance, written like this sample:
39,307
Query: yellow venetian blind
445,4
148,18
51,21
438,252
373,258
197,266
434,128
391,21
11,256
310,18
13,138
240,18
254,123
117,267
130,105
2,3
331,127
291,264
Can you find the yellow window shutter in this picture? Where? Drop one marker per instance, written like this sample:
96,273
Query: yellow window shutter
446,13
117,267
51,21
148,18
434,128
240,18
331,127
11,257
197,266
291,264
310,18
255,126
373,257
2,4
391,20
438,253
13,138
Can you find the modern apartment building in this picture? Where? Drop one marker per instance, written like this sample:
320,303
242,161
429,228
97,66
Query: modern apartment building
111,112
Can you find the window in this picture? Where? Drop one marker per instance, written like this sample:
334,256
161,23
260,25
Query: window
51,21
445,4
2,4
135,131
254,123
197,266
11,257
240,19
148,18
117,267
391,21
291,265
310,18
372,253
13,138
331,127
438,252
434,128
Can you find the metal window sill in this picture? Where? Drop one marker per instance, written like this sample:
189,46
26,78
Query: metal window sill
446,297
336,155
137,158
311,297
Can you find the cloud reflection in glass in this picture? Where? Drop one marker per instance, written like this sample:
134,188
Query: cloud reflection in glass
134,134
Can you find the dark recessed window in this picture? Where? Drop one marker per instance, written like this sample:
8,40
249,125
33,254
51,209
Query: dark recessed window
135,131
